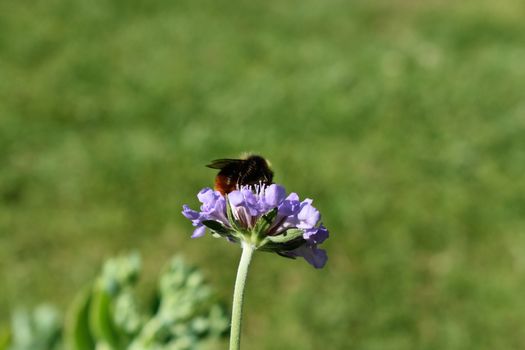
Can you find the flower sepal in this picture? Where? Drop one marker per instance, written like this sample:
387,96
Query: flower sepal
285,241
221,231
263,224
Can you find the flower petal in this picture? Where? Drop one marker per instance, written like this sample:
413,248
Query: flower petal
236,198
316,235
290,206
251,202
313,255
274,195
206,195
199,232
189,213
308,215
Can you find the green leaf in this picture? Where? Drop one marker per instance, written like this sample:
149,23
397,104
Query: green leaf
265,221
126,312
286,236
288,240
77,333
218,228
101,320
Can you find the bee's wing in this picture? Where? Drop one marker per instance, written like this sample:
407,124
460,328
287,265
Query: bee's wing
222,163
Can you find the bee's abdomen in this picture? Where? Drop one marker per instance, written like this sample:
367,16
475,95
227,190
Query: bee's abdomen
223,184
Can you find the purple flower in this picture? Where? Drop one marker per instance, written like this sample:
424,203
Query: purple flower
290,205
265,217
316,235
273,196
213,205
315,256
308,216
213,208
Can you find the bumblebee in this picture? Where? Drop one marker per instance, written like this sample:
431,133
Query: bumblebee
252,170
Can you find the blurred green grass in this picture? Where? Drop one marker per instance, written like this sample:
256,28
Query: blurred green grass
404,120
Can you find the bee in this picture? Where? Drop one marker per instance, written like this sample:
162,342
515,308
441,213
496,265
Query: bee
251,170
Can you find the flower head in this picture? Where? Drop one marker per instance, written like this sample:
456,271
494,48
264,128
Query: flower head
265,217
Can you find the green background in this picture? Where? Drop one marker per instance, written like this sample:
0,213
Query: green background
403,120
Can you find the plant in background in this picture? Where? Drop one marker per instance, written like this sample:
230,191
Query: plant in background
36,330
259,217
107,315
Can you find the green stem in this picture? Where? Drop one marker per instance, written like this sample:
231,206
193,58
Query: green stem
238,295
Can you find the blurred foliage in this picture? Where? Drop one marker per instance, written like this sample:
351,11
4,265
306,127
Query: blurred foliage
37,330
403,119
107,315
